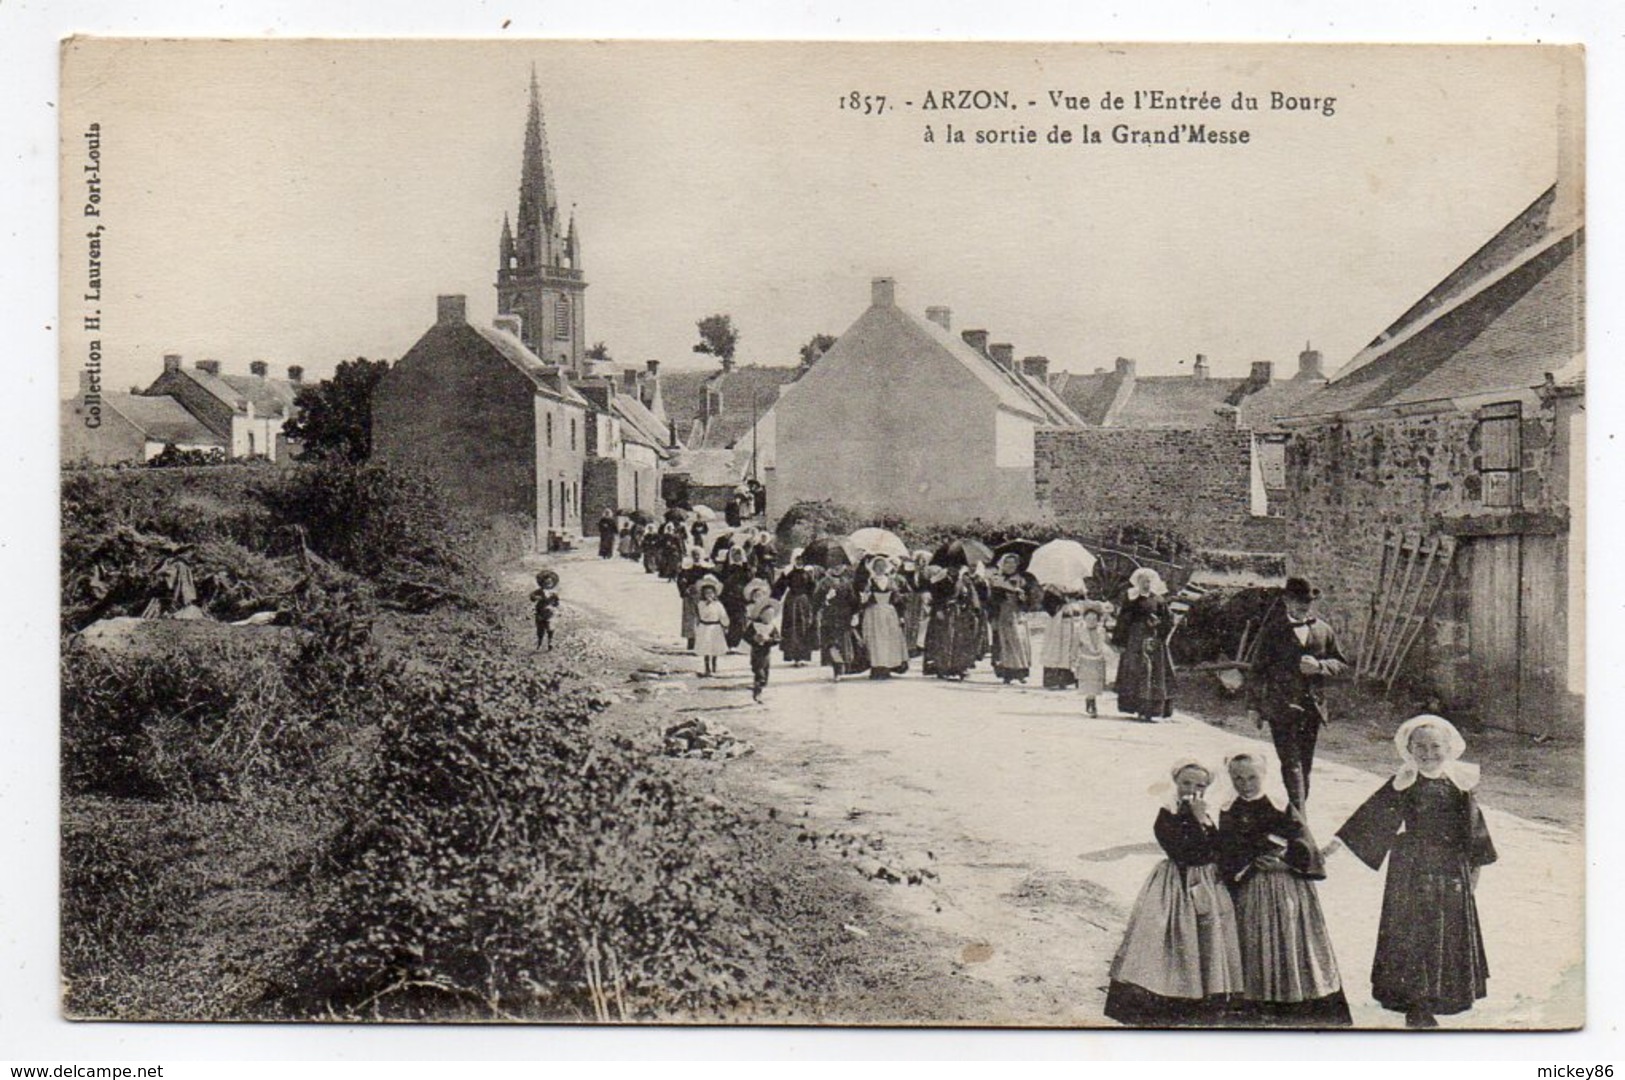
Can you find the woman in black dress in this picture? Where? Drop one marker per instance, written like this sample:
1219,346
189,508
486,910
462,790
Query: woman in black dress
1145,680
798,627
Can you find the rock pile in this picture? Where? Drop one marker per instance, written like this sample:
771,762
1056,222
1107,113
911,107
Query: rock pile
868,855
697,738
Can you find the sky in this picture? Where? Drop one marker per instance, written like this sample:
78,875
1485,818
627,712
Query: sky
304,202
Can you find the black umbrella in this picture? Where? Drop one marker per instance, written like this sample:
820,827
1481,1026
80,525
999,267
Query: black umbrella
1021,549
676,514
829,552
965,552
641,517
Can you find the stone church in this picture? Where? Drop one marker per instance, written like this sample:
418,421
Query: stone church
539,275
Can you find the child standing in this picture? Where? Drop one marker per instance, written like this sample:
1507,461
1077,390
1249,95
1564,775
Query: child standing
1430,951
1180,960
761,634
1089,656
546,601
710,625
1271,864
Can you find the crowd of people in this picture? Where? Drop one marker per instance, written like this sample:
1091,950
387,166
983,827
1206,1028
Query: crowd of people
1228,929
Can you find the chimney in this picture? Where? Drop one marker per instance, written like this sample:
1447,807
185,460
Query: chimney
1263,373
943,317
1036,367
1229,417
712,405
1004,355
451,309
259,368
1310,364
629,382
296,374
1125,367
172,362
653,367
976,339
508,324
211,367
883,292
1200,370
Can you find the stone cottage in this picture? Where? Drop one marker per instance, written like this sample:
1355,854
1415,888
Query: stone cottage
504,433
1464,422
902,417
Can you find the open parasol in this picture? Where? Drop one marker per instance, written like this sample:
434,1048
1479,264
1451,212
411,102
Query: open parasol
965,552
1065,564
830,552
873,541
705,513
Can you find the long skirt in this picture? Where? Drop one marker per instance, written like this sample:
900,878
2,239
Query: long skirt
1060,651
710,640
883,636
1286,954
914,623
1180,960
1430,950
1012,647
840,647
1144,681
691,615
953,641
606,543
798,627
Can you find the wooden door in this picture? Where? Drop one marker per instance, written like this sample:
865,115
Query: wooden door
1515,626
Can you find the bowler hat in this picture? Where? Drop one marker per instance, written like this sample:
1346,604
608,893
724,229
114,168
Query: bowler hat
1298,589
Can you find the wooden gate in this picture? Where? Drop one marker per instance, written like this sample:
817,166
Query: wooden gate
1516,629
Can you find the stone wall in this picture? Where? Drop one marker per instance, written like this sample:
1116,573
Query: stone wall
1350,482
1195,483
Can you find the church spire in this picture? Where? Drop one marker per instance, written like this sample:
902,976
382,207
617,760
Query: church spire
572,243
538,199
505,254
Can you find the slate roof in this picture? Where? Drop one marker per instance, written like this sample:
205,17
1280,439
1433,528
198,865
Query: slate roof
1174,401
270,397
683,394
1260,409
639,424
1518,321
1014,391
511,349
708,468
1090,397
161,419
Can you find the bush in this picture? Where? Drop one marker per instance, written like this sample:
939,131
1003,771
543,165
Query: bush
507,862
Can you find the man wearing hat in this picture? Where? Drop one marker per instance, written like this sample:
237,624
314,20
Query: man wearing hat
1296,655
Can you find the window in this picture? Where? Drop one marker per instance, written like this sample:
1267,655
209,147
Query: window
549,429
1500,453
572,433
561,318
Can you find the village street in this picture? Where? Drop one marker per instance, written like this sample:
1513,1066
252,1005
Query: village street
1038,819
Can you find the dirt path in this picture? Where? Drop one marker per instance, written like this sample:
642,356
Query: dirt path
1036,823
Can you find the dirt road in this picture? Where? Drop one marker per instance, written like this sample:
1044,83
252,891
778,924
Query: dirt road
1037,821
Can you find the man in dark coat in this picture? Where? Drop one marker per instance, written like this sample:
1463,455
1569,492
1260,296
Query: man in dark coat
1297,654
607,533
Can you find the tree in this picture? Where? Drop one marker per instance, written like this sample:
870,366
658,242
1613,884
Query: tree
333,419
600,352
814,349
718,338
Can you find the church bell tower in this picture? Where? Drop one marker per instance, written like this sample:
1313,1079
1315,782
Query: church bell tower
539,276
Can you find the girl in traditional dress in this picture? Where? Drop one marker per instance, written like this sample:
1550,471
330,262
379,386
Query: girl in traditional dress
799,625
880,625
695,567
1145,671
1089,657
1061,639
735,576
629,541
1271,864
1012,647
761,634
1180,960
710,626
1430,953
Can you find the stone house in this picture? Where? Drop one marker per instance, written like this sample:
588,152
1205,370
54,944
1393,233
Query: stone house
504,433
246,412
902,417
628,441
1464,420
109,428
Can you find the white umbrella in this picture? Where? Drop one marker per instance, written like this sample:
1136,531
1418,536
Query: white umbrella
873,541
1062,563
705,513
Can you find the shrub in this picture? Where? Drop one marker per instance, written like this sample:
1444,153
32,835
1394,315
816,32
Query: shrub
507,862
